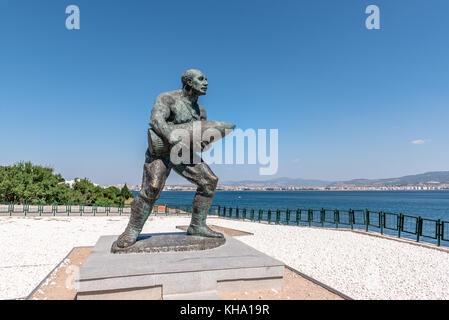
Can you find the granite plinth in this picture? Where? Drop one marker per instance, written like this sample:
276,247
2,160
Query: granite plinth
169,242
231,267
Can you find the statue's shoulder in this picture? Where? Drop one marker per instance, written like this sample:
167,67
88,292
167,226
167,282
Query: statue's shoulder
169,97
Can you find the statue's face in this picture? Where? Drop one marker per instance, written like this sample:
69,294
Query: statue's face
199,83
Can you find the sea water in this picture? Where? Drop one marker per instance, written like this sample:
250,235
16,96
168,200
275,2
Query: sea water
427,204
432,205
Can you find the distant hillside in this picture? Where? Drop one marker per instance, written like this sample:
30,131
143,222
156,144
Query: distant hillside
429,178
432,178
278,182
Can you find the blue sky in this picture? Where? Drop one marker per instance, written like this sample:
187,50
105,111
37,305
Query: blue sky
347,101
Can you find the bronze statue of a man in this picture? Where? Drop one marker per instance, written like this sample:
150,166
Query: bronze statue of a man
171,109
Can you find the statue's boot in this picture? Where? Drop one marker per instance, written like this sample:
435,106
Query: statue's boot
200,208
140,210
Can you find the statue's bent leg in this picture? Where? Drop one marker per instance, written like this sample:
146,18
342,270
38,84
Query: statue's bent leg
154,176
206,181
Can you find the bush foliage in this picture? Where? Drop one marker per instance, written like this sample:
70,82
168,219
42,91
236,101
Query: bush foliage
28,183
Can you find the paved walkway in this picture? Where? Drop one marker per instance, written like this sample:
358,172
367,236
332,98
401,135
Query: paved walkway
358,265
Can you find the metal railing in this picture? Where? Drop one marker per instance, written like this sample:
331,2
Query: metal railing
397,224
77,209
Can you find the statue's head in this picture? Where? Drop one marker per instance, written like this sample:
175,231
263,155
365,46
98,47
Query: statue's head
194,81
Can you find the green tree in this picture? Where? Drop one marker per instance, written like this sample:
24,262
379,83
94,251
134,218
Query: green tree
125,193
24,182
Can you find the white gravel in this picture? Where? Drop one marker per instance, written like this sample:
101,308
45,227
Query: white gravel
360,266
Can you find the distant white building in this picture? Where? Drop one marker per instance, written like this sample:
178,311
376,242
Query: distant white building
72,182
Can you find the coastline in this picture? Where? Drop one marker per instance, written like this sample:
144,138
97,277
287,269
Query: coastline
187,189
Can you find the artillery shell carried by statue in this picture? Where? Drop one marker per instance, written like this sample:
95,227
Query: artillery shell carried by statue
198,133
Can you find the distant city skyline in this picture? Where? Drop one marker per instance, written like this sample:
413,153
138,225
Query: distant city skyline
348,102
424,181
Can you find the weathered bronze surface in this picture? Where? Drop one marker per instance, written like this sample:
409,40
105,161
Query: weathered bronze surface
170,111
170,242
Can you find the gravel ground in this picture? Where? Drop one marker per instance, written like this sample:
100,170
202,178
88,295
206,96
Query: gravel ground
360,266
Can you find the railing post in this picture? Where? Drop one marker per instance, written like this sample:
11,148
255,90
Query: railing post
287,216
310,216
399,223
438,232
244,214
382,222
298,216
11,208
54,208
278,216
322,216
336,218
252,215
351,218
260,215
367,219
237,213
269,216
40,209
419,231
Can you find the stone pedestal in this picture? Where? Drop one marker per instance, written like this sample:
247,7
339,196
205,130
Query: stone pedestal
169,243
156,274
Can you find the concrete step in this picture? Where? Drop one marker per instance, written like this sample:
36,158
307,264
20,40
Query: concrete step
201,295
